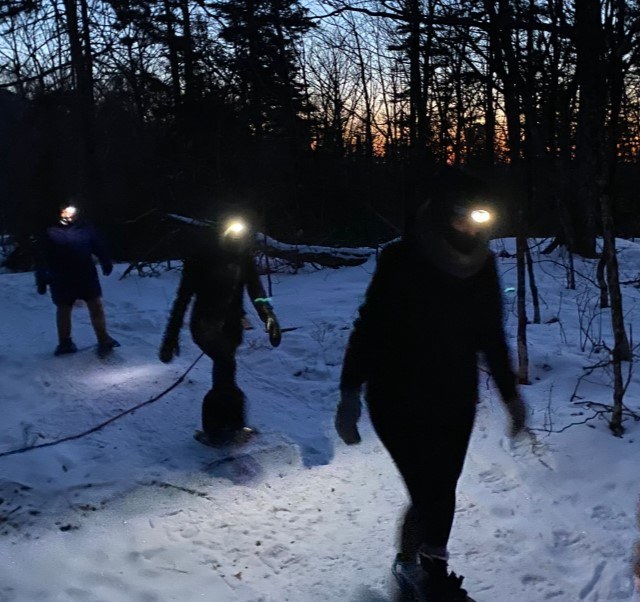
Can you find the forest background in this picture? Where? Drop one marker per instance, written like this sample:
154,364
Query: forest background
321,120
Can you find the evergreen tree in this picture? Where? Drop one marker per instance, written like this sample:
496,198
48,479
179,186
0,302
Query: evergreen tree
263,36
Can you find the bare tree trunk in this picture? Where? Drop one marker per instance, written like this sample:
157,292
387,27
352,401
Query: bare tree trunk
523,353
427,73
459,126
571,273
91,186
500,40
88,51
490,120
621,347
416,100
533,286
174,65
368,112
81,65
601,279
189,87
589,51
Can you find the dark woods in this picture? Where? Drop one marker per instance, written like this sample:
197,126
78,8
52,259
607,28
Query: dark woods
324,122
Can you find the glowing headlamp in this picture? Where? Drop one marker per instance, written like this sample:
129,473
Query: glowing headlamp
68,214
475,217
480,216
234,228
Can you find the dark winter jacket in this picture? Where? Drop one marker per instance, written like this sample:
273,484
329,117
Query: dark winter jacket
420,329
65,262
217,279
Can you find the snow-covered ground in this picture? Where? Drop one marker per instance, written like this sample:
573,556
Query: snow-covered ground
139,511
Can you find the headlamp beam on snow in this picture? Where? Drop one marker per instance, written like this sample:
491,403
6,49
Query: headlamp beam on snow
235,228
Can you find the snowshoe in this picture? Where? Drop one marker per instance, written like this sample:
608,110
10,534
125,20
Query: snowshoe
107,346
226,437
223,412
65,347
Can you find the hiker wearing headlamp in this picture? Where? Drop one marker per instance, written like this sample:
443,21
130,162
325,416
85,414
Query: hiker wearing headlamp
433,304
66,266
216,276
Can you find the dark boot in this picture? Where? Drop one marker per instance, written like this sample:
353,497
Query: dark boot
223,412
440,585
106,346
65,346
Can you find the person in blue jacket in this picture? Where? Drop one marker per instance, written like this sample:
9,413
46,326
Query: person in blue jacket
66,266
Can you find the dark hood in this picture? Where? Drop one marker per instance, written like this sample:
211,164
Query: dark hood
456,253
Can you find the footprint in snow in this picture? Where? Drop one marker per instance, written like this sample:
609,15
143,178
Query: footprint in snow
612,520
497,480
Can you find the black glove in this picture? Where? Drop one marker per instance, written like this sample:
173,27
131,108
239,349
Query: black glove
517,414
273,328
107,268
42,288
347,415
168,350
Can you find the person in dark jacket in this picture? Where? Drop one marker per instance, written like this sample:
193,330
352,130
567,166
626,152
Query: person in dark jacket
65,264
216,276
433,304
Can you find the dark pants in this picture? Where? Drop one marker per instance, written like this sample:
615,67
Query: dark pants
428,441
223,407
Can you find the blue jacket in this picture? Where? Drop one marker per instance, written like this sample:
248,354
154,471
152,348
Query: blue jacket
66,261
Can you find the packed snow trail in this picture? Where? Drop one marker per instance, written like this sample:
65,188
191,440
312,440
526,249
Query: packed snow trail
141,511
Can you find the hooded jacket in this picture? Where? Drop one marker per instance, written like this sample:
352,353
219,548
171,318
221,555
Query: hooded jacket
420,329
217,278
